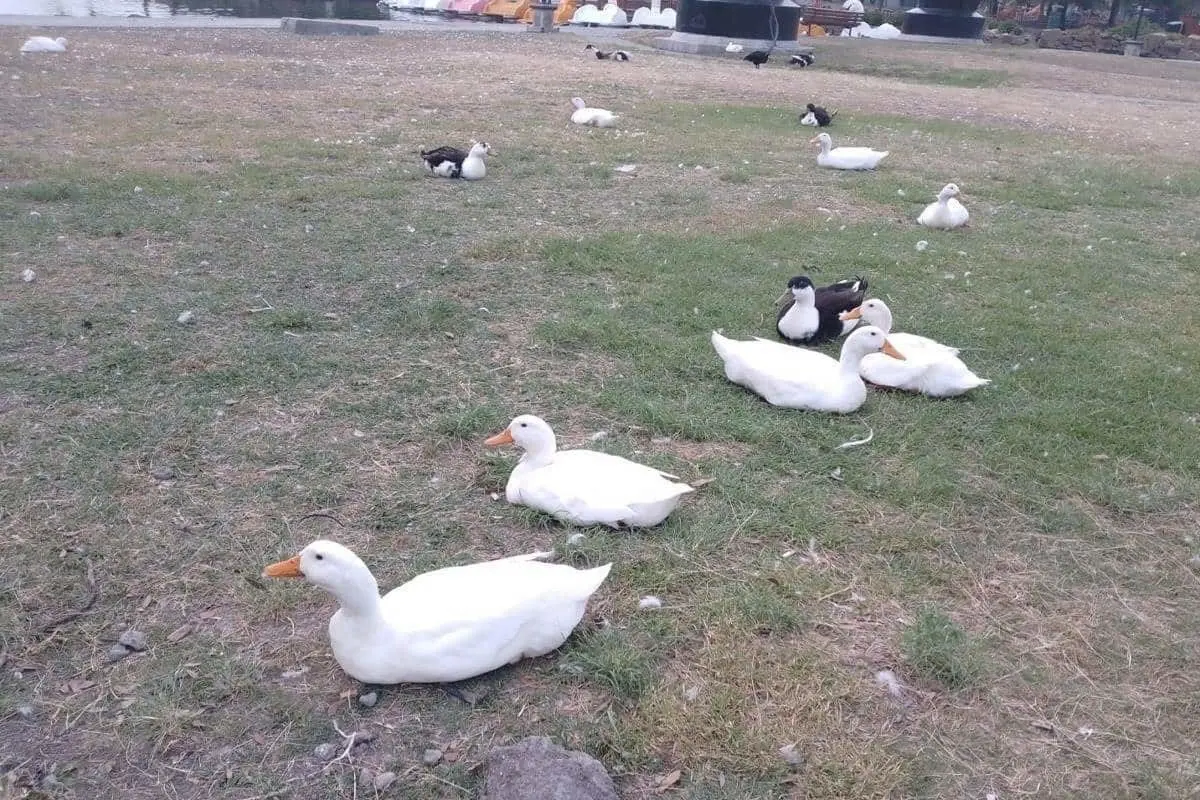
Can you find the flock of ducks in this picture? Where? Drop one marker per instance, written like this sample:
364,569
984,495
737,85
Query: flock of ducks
459,622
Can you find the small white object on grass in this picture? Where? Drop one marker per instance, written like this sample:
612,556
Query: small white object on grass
921,245
887,679
186,317
576,538
599,436
626,168
650,601
28,275
857,442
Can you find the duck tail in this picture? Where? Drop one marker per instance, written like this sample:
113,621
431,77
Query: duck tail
832,114
860,284
722,345
591,579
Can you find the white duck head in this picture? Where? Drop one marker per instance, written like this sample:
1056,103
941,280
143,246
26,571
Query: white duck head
578,102
863,342
479,149
334,568
948,191
531,434
823,139
872,312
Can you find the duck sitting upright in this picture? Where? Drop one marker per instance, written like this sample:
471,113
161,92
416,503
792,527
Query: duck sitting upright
817,117
947,212
810,315
452,162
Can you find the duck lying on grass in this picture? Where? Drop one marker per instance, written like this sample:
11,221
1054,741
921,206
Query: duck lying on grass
947,212
451,162
446,625
817,117
810,315
596,117
604,55
846,157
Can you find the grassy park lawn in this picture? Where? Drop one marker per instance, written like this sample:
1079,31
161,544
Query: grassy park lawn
1024,561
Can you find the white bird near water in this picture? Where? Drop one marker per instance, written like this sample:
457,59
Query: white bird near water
44,44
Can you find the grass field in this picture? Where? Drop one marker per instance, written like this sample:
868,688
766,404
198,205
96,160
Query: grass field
1024,560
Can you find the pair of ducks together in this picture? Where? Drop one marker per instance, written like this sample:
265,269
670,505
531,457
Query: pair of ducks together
457,623
793,377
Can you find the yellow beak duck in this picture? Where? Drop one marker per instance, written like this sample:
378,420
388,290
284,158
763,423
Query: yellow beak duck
792,377
584,487
928,367
447,625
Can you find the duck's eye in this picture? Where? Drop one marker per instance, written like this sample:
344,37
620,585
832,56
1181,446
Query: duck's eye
524,424
320,557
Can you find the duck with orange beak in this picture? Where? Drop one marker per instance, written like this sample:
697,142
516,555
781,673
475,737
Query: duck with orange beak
793,377
447,625
929,367
584,487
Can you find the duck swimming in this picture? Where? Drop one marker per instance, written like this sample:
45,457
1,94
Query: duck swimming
810,315
446,625
584,487
846,157
817,117
928,367
793,377
947,212
597,117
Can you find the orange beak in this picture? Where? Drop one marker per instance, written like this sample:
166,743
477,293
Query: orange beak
284,569
503,437
891,351
854,313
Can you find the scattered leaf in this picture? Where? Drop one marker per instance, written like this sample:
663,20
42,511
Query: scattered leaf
669,780
179,633
76,685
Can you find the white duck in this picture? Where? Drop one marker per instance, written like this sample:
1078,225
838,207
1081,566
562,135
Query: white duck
793,377
44,44
846,157
584,487
447,625
928,367
947,212
876,312
733,47
597,117
473,166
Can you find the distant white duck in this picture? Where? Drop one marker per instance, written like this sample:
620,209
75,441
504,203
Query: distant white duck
792,377
733,47
928,367
846,157
44,44
584,487
947,212
447,625
597,117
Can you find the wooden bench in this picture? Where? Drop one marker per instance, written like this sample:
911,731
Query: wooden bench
828,17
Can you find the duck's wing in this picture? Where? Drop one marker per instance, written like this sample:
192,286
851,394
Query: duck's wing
444,153
841,296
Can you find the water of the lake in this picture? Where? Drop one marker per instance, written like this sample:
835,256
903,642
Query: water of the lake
341,9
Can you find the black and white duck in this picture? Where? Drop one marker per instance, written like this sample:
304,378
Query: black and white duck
801,59
757,57
811,316
454,162
817,116
604,55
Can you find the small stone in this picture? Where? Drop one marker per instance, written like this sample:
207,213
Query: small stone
383,780
325,751
369,699
134,640
25,711
794,759
117,652
599,436
28,275
366,777
186,317
576,538
649,601
162,473
431,756
921,245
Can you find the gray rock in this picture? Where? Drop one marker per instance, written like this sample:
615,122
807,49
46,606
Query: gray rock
25,711
431,756
537,769
325,751
369,699
162,473
383,780
117,652
134,640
